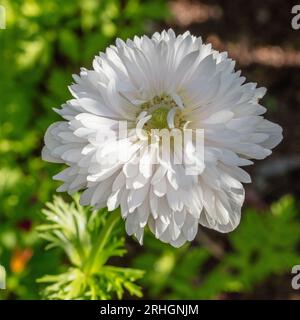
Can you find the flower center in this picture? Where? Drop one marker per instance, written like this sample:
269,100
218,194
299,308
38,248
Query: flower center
162,113
159,118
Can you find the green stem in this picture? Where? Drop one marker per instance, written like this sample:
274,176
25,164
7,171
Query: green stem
101,240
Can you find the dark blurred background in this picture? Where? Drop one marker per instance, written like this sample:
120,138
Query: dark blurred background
46,41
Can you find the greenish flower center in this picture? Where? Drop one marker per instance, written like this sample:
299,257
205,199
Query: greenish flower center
159,118
159,108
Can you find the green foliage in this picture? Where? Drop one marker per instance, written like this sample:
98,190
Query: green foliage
89,239
264,244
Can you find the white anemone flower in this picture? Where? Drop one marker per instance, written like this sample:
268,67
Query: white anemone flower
162,82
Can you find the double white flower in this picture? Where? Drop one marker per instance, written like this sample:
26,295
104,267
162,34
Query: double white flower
165,82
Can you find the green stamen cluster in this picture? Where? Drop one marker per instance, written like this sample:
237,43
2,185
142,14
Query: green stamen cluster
159,108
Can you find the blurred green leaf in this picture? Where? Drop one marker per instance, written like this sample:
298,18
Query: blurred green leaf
89,239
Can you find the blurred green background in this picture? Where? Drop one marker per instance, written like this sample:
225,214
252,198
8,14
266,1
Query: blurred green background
46,41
